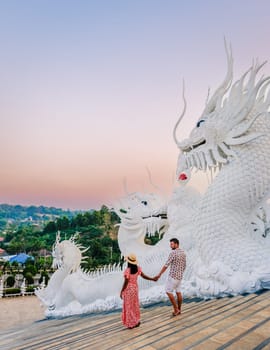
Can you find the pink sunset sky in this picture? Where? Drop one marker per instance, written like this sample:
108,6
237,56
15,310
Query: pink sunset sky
90,91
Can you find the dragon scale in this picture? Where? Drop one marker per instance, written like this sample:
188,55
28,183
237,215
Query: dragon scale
222,222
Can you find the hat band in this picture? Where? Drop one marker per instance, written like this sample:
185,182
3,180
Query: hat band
131,259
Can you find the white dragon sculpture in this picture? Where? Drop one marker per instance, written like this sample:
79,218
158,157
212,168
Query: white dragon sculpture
148,214
233,135
71,286
225,232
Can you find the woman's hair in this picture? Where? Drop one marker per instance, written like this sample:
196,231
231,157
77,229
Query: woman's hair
133,268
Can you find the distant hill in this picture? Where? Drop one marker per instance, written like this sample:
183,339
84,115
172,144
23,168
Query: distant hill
18,213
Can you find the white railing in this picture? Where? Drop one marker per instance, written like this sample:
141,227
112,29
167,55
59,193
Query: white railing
21,287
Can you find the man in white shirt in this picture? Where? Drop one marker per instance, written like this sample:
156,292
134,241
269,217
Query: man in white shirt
177,263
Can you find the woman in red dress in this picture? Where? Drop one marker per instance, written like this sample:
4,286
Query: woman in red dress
130,294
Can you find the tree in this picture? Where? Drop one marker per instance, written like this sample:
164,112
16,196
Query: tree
44,276
62,223
15,247
50,227
29,268
29,278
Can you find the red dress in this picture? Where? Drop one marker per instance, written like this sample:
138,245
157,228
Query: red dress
131,306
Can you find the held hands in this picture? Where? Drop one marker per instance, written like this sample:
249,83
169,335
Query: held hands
156,278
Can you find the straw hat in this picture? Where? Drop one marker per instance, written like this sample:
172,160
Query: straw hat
132,259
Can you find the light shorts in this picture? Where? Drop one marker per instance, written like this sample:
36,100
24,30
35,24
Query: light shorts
172,284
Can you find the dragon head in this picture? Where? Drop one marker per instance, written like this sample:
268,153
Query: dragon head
67,254
226,120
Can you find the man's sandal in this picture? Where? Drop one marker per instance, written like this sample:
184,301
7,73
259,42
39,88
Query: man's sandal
176,313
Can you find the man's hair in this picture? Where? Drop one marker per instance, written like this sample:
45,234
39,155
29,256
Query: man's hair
174,240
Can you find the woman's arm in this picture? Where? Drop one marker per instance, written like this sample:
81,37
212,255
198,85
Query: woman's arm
147,277
124,287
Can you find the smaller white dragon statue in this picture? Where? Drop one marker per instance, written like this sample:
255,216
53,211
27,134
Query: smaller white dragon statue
71,286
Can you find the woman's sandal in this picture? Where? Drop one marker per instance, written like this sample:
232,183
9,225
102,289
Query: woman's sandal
137,325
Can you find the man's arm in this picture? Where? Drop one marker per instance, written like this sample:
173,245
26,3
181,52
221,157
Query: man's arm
164,268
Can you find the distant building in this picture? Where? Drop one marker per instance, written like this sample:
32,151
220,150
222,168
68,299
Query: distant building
4,255
20,258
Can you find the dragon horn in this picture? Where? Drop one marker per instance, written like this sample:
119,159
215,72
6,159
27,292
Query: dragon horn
181,116
150,179
57,239
252,92
223,88
127,193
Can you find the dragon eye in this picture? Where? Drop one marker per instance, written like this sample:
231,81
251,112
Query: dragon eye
199,123
144,202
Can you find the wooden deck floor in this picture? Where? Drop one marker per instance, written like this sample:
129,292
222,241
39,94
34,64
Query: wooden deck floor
241,322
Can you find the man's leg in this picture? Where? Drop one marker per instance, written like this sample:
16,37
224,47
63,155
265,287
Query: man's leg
179,300
172,300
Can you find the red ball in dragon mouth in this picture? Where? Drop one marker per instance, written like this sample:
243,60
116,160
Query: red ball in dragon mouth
182,177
